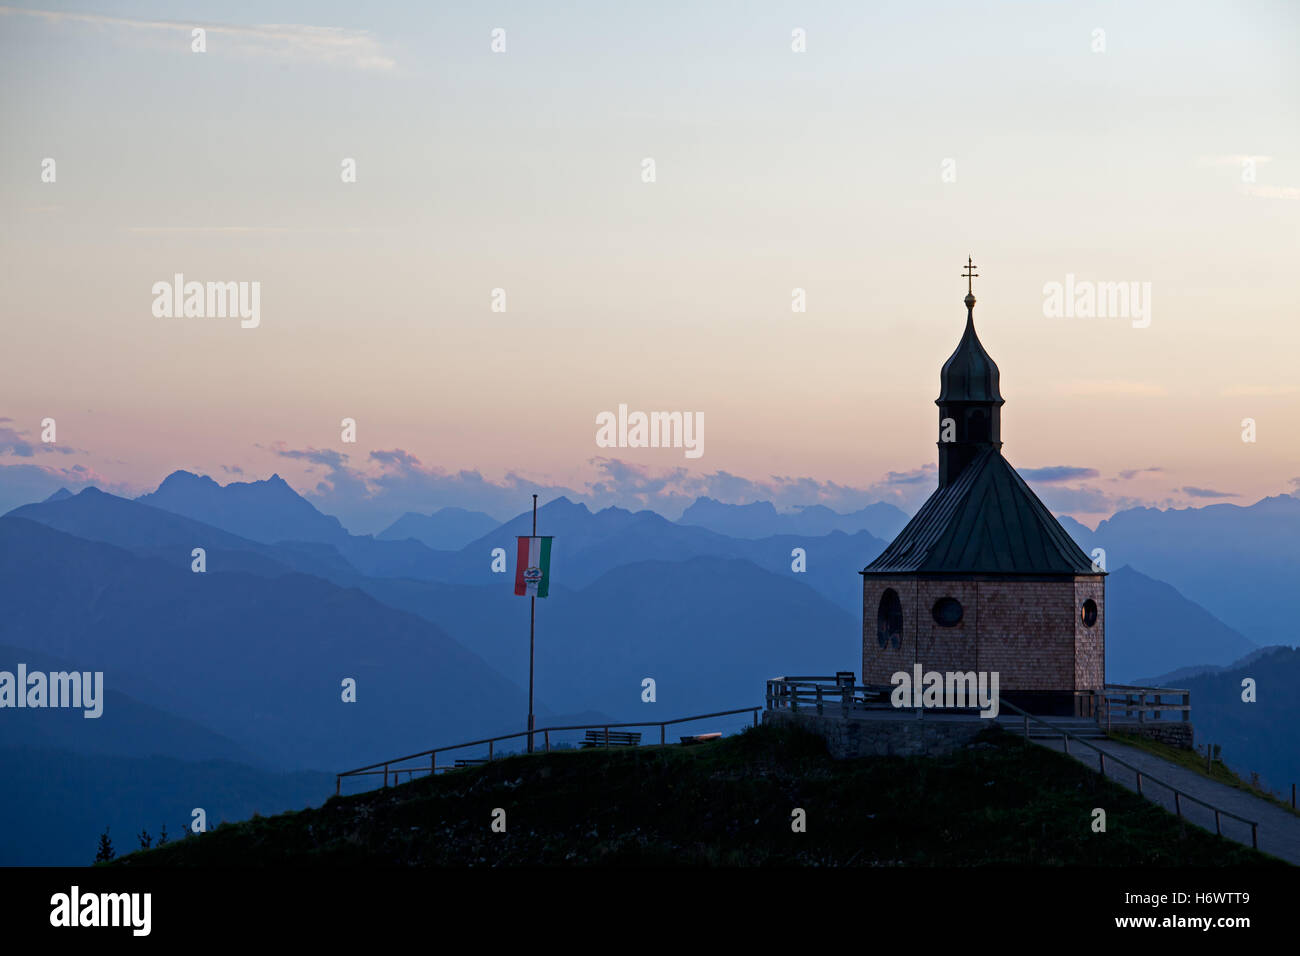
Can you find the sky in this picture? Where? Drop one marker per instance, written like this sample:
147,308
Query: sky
1156,144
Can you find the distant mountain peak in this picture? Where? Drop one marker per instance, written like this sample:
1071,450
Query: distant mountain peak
180,478
266,510
59,495
1282,502
447,529
563,504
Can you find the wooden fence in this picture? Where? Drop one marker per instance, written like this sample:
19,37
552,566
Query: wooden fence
1127,703
838,694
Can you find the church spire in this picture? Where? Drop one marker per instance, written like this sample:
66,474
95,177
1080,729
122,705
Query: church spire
970,402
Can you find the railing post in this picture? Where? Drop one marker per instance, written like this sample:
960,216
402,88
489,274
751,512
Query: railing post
1101,760
385,775
1218,827
1026,726
755,716
433,764
1065,742
338,787
1142,707
547,734
489,750
1139,773
819,698
662,730
606,736
1178,806
1254,837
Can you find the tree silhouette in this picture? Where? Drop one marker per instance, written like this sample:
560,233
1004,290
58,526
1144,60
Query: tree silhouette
145,839
106,851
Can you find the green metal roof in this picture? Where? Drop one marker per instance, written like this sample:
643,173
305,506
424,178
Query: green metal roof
987,521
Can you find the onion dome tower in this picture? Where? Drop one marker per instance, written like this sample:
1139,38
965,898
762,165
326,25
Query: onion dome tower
970,402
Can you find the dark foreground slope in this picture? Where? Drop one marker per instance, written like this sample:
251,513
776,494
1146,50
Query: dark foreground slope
730,803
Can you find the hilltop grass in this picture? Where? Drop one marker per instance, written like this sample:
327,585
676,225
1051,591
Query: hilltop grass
729,803
1191,760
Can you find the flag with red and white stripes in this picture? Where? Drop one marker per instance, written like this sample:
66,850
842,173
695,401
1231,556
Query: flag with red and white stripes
533,566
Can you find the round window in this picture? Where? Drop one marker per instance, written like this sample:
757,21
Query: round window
1089,612
889,619
947,612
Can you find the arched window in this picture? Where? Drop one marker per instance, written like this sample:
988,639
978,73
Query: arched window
947,612
889,620
1088,613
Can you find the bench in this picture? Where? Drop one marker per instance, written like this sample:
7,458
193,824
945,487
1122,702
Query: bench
470,761
611,738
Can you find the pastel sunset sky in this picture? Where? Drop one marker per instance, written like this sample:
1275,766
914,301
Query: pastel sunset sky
1170,157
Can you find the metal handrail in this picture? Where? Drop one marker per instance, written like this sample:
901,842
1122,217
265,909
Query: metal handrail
369,769
1101,761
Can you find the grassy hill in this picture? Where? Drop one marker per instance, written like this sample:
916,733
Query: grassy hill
999,801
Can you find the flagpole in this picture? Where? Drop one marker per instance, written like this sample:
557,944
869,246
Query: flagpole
532,623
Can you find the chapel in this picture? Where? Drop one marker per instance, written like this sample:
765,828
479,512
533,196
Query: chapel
984,578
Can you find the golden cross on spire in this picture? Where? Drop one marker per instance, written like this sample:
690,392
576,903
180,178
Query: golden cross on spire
969,274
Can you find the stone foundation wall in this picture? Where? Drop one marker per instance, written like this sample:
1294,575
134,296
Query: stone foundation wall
897,736
1171,732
